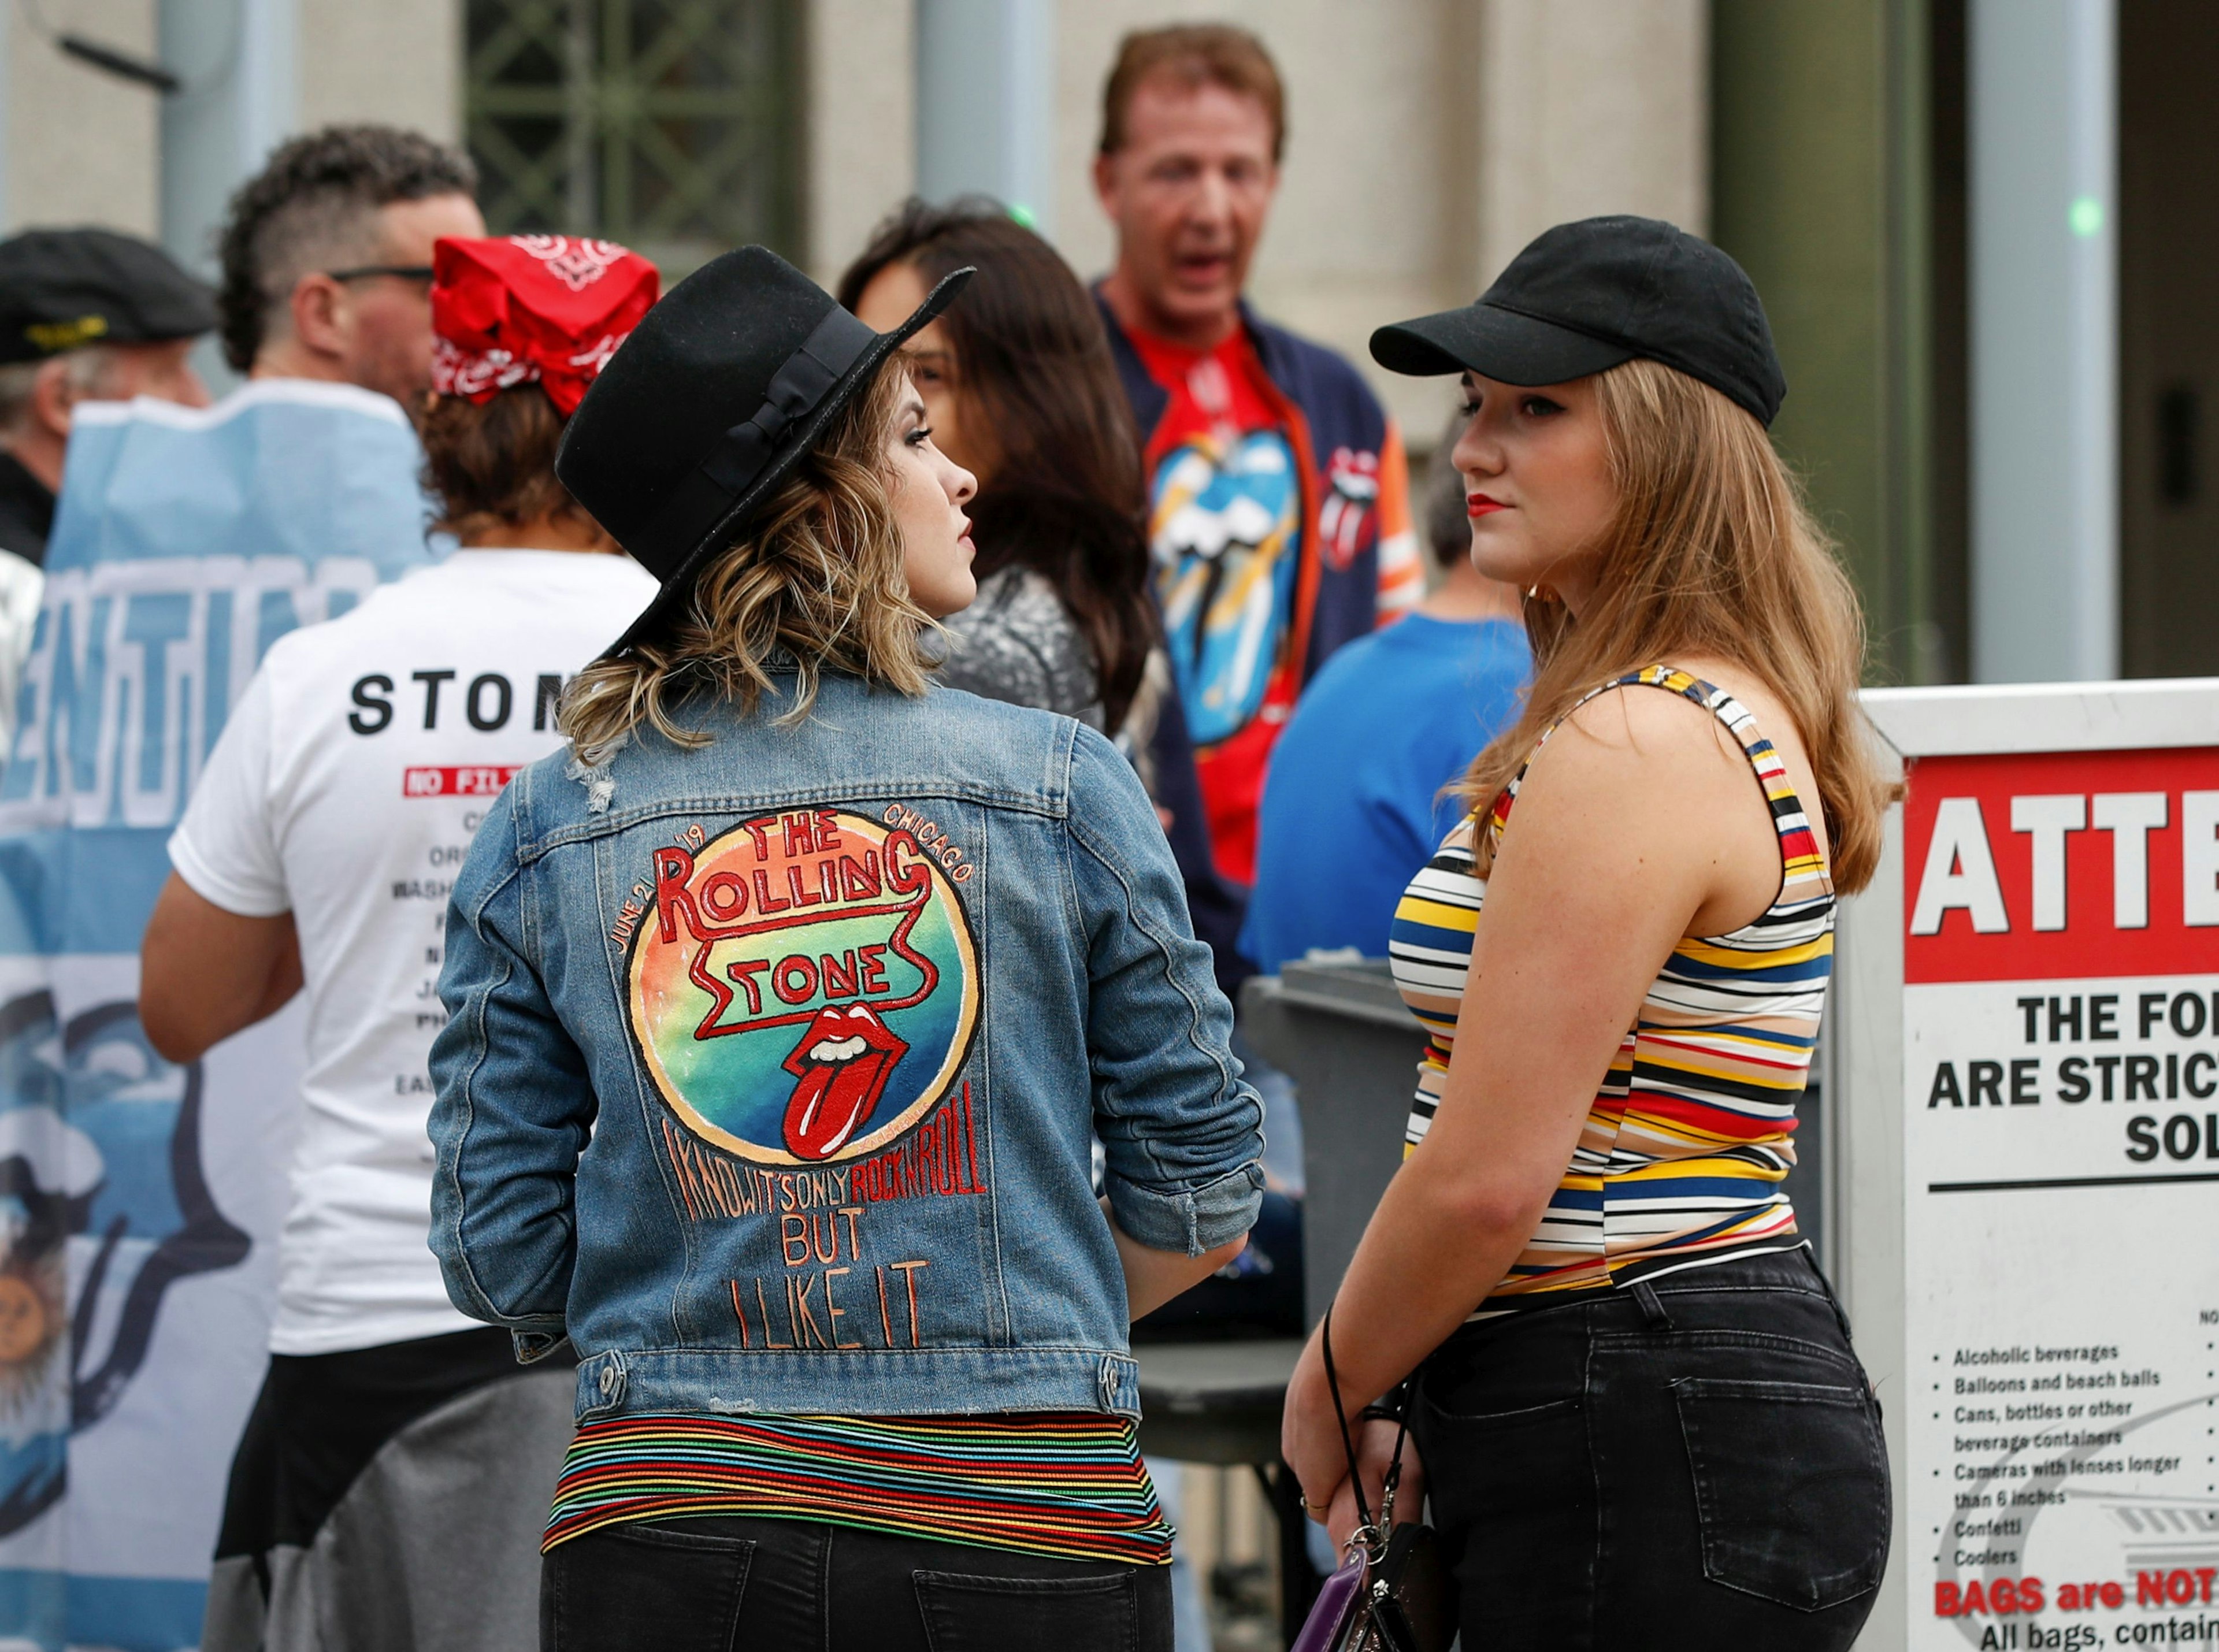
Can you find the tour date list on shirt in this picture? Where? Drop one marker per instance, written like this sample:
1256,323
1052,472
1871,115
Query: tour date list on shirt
486,703
2062,1165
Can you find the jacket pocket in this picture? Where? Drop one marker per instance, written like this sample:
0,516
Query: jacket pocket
1791,1487
993,1614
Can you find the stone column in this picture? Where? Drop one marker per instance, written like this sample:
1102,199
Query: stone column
2044,304
985,120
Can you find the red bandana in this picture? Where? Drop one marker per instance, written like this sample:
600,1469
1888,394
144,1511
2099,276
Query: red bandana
525,309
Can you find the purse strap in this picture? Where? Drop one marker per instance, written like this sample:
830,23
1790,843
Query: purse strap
1368,1532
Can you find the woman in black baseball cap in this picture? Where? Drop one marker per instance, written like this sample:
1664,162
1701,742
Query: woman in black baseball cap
1641,1420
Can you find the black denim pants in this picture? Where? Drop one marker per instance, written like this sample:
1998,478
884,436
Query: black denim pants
1693,1463
720,1585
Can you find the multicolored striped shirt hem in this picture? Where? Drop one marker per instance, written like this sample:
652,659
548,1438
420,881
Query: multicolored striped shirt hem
1069,1484
1691,1131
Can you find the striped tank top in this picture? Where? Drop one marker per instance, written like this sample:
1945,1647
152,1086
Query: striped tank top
1069,1484
1681,1160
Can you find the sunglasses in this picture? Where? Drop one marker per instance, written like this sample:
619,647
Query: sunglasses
364,271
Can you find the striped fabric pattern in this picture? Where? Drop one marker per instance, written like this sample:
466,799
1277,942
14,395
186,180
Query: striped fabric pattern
1691,1131
1069,1484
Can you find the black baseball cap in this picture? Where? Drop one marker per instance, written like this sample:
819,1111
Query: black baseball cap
61,289
1585,297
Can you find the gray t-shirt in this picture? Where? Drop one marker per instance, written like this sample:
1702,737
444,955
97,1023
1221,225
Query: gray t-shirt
1018,643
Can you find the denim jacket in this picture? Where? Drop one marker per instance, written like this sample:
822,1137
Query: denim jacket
773,1067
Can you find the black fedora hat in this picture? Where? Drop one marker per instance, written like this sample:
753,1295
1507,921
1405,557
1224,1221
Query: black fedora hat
1585,297
710,404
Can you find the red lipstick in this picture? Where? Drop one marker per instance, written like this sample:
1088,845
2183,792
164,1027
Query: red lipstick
1479,504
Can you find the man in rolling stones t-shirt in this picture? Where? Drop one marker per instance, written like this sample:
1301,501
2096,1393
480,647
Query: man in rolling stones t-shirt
397,1470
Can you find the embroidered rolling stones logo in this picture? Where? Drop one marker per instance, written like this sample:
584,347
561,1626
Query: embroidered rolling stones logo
805,986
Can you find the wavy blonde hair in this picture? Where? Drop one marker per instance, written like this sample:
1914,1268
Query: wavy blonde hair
1713,552
817,578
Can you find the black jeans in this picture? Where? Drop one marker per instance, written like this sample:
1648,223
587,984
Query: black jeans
1693,1463
731,1585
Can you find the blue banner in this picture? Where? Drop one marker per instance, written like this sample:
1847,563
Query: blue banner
140,1201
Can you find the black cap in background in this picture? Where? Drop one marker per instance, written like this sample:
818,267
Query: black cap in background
1585,297
61,289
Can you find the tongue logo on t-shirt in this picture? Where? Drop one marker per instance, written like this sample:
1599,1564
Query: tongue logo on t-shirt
805,984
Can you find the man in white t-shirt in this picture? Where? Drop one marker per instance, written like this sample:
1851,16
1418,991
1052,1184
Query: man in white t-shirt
339,803
393,1478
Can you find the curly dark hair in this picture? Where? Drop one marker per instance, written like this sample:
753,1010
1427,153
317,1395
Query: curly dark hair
1059,488
314,204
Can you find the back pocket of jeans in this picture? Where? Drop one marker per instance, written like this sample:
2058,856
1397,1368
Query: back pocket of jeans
669,1588
1791,1487
994,1614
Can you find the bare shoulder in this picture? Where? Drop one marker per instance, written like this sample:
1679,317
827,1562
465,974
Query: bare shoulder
1617,767
1656,783
1637,737
1778,725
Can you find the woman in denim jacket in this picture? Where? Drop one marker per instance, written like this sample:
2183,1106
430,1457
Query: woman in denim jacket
783,1015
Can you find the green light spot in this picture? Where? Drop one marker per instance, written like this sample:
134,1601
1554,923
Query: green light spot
2086,217
1024,215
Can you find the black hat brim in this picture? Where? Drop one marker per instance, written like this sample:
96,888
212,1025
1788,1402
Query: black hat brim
679,587
1496,342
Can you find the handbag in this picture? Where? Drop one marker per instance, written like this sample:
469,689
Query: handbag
1389,1594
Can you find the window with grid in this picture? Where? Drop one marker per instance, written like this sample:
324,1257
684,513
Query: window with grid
669,125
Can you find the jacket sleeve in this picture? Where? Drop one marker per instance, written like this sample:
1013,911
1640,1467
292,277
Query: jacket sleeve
1181,1133
515,1106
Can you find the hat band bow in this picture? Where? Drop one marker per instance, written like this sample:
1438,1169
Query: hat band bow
745,450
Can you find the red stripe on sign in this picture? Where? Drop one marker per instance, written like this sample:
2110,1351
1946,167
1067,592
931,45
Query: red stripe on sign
2060,866
479,781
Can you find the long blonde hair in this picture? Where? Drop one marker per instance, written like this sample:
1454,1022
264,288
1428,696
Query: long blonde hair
1713,552
817,578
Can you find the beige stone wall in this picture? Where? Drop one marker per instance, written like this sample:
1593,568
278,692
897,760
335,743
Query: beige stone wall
860,138
394,61
1599,107
83,146
80,144
1428,138
1428,142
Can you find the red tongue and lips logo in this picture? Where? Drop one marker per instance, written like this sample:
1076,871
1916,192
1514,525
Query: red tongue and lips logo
843,1061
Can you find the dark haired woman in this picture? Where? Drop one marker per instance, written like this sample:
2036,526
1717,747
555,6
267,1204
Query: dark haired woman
393,1480
1020,381
1022,391
783,1015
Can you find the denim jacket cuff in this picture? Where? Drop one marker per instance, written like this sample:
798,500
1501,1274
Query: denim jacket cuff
1190,1222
